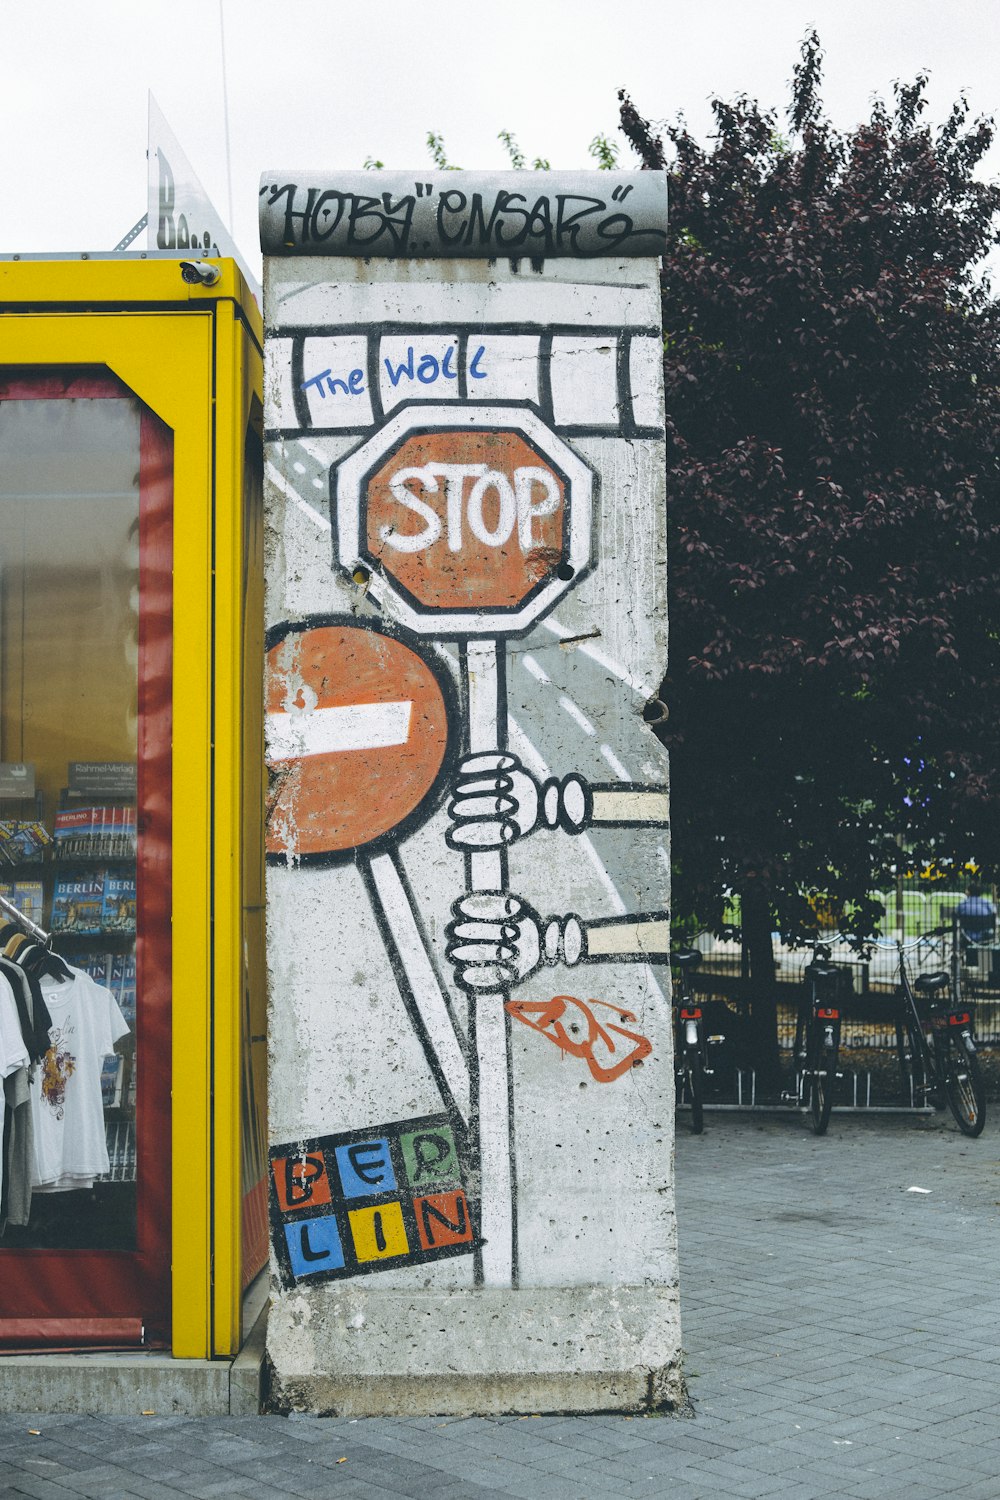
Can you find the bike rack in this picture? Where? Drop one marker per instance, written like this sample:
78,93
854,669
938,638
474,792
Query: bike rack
746,1099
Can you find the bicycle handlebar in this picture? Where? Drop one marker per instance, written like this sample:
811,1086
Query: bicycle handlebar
904,947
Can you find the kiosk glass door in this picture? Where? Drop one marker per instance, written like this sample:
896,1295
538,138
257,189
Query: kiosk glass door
86,494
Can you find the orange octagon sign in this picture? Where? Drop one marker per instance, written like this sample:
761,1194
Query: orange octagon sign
471,520
356,733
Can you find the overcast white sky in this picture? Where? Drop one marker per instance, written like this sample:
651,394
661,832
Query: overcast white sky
325,83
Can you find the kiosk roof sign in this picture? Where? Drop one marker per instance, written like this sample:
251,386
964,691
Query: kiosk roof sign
180,214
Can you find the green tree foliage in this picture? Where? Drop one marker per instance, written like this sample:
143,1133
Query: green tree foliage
438,155
605,153
518,160
832,370
517,157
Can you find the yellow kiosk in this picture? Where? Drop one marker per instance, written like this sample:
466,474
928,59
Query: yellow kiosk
132,1207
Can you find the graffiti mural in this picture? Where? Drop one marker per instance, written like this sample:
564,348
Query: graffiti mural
467,523
467,810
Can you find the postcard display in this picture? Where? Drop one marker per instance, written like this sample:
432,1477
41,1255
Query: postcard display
69,634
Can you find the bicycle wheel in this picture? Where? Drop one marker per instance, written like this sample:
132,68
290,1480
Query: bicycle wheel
822,1082
695,1087
963,1083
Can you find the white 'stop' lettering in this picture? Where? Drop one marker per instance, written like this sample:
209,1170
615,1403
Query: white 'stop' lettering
512,502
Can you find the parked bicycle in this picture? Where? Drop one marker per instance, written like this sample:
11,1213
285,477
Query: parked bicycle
937,1051
690,1048
817,1037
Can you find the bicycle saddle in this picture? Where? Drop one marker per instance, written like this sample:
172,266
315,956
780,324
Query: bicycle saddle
822,972
928,983
685,958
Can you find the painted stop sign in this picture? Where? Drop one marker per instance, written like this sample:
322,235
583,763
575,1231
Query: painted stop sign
356,734
470,520
466,519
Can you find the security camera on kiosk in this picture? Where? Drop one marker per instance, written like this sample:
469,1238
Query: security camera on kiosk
200,272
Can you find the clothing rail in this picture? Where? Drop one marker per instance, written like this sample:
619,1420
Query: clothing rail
25,922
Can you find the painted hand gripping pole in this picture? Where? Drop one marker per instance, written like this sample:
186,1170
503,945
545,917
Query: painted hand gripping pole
465,461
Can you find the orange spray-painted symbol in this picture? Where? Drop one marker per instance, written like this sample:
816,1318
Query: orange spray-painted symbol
546,1017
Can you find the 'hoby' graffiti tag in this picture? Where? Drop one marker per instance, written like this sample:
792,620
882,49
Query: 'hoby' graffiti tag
344,1205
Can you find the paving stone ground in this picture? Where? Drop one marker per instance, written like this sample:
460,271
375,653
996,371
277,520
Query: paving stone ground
841,1336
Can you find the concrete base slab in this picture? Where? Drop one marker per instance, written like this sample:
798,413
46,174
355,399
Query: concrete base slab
246,1373
478,1352
135,1383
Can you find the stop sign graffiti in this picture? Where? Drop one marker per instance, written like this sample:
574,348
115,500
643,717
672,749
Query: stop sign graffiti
477,519
470,520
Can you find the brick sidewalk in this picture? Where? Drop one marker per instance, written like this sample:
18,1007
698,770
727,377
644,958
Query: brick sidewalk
841,1333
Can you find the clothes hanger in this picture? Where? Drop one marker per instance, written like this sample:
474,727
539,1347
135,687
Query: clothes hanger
36,959
22,937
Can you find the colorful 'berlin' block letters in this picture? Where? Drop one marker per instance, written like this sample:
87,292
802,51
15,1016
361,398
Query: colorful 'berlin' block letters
343,1205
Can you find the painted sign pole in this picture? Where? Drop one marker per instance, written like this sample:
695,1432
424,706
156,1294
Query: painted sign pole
487,871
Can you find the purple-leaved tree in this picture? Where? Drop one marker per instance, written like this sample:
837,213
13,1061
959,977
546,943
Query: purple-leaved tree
832,365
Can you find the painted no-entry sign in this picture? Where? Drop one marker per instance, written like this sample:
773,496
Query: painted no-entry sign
471,520
356,735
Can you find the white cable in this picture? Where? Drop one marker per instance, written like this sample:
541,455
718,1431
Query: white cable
225,114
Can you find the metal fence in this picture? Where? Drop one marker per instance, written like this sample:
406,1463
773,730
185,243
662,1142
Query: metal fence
869,1012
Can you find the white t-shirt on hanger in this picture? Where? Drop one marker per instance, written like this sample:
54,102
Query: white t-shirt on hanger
67,1111
13,1053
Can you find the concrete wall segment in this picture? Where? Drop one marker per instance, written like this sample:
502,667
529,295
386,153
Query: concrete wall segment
507,1102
